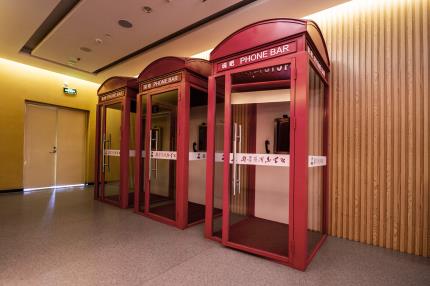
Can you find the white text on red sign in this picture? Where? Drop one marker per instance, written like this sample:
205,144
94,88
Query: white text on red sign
259,56
161,82
112,95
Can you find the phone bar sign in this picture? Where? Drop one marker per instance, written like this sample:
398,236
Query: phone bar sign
258,56
112,95
160,82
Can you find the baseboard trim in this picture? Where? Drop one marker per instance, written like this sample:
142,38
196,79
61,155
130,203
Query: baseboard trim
11,191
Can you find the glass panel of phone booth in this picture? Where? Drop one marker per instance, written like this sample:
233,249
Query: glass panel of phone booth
218,174
142,159
316,159
111,141
163,154
132,148
259,170
197,155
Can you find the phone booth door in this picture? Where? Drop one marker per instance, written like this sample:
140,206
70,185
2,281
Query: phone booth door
162,146
256,186
110,149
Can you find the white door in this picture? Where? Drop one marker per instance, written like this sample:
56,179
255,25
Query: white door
55,146
40,141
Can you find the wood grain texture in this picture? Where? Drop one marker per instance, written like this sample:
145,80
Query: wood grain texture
315,133
379,123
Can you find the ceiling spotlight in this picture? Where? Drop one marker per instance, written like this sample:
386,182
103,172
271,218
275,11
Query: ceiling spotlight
73,61
147,9
85,49
125,24
98,41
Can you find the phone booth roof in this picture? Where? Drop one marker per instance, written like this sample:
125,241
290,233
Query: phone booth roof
166,65
261,34
118,84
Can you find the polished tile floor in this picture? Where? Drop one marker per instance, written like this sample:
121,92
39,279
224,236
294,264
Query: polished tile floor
63,237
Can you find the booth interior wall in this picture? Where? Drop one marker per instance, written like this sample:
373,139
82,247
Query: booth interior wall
197,168
271,196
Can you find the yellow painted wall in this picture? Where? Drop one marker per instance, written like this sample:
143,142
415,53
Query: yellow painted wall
20,82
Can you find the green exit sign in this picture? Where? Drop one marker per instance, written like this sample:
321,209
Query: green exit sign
70,91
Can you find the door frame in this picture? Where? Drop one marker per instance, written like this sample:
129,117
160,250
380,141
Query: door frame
57,106
146,176
287,59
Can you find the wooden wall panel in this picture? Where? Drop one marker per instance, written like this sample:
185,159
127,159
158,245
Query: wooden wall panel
316,144
379,133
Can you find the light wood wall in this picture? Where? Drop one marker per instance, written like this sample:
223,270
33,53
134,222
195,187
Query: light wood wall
316,148
239,202
379,135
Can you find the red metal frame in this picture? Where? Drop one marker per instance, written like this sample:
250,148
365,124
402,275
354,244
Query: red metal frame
309,50
114,90
193,74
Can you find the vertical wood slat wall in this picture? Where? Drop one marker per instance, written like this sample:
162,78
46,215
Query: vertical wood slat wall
238,202
379,133
316,144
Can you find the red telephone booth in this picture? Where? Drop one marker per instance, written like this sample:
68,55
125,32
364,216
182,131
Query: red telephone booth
114,162
267,141
174,117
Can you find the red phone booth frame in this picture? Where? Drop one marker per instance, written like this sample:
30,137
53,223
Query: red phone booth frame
162,75
114,90
306,50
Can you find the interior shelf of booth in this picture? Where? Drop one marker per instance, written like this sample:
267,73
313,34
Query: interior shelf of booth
262,96
261,85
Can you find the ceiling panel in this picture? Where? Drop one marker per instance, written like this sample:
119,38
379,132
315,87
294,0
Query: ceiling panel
98,19
19,20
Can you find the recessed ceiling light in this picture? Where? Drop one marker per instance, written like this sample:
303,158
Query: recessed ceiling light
73,61
125,24
85,49
147,9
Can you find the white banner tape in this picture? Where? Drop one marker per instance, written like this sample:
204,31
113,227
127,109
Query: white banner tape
112,152
317,161
116,153
166,155
274,160
196,156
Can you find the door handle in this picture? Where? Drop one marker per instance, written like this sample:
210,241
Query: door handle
103,153
150,154
54,150
234,158
240,151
